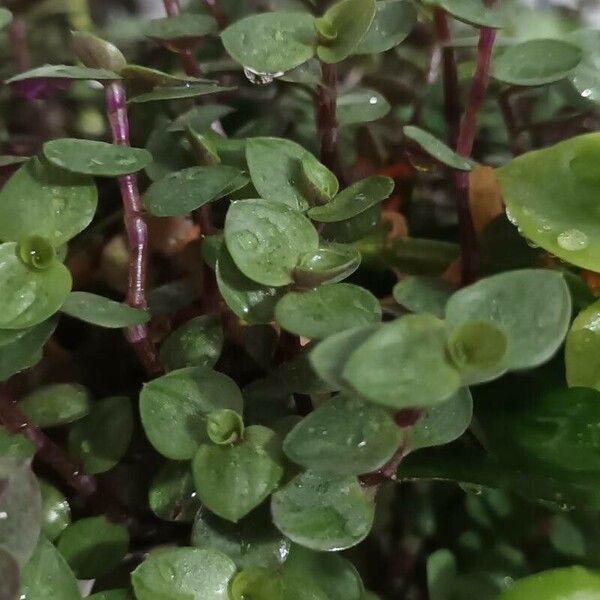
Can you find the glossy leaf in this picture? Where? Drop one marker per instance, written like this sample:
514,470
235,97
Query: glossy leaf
89,157
20,502
178,92
423,294
586,77
190,573
271,42
120,594
551,196
354,200
184,191
327,309
472,12
56,404
174,408
59,204
101,439
273,584
172,496
102,312
581,352
180,27
330,263
403,364
252,542
531,306
361,106
567,583
47,575
233,480
437,149
349,21
250,301
266,241
93,546
443,423
536,62
56,512
323,511
393,21
344,435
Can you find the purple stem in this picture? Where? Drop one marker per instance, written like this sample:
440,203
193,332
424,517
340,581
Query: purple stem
186,56
137,231
464,147
325,113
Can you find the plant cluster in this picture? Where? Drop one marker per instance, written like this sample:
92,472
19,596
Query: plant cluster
307,349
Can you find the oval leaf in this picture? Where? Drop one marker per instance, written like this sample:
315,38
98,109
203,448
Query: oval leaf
361,106
180,27
586,76
172,496
56,404
56,512
472,12
437,149
582,351
423,294
330,263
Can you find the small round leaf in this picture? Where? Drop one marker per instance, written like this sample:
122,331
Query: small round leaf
330,263
172,496
56,512
56,404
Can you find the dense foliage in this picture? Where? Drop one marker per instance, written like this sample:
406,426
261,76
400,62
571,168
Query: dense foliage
298,301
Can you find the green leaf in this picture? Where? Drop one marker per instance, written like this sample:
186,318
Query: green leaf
361,106
354,200
271,42
174,408
93,546
184,191
349,21
47,575
437,149
328,357
275,166
266,241
7,160
536,62
322,511
64,72
180,27
329,263
552,195
441,573
423,294
167,150
15,445
252,542
6,18
472,12
120,594
197,343
26,349
99,159
393,21
103,312
586,76
190,573
9,569
566,537
567,583
178,92
403,364
319,183
233,480
147,78
250,301
172,496
443,423
56,404
101,439
56,512
59,204
327,310
200,118
531,306
582,356
419,256
344,435
21,501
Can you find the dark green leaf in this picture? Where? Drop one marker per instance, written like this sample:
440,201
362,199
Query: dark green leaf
178,92
200,118
148,78
181,27
441,572
330,263
121,594
582,356
190,573
93,546
355,228
174,408
184,191
172,496
15,445
472,12
327,310
103,312
586,76
64,72
101,439
423,294
56,512
271,42
437,149
361,106
167,150
7,160
233,480
56,404
322,511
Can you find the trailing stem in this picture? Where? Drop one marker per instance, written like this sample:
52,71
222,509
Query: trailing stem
137,231
186,56
47,451
325,112
213,8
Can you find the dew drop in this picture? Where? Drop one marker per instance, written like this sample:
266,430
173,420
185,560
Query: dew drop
572,240
511,217
373,100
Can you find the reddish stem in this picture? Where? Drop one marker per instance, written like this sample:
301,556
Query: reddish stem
47,451
213,8
137,231
18,41
326,118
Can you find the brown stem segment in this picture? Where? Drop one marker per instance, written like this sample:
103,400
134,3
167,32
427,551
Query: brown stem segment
325,112
213,8
46,450
464,147
137,231
18,42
